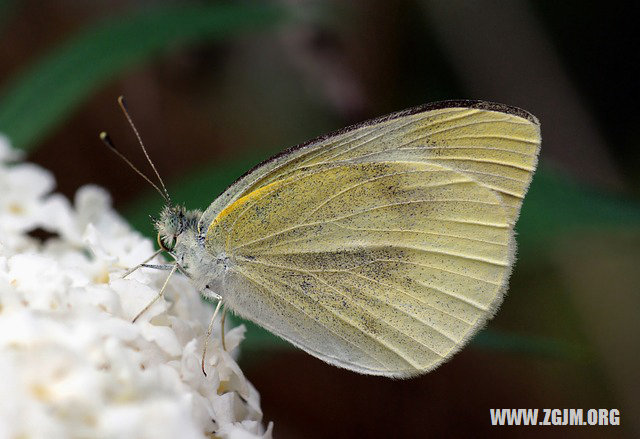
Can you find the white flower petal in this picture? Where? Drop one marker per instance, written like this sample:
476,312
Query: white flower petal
72,362
29,181
8,154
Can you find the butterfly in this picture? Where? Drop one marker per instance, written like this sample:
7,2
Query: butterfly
381,248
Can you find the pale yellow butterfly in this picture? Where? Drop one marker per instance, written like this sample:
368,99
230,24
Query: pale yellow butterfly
381,248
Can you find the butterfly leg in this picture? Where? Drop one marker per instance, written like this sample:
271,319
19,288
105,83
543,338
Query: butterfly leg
213,295
208,334
222,319
159,266
173,270
131,270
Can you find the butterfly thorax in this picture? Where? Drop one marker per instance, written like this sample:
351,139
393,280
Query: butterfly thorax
178,235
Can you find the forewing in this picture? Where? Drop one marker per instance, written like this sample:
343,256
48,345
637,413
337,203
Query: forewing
383,267
494,144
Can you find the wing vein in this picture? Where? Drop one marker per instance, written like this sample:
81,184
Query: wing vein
422,232
515,139
314,223
435,147
386,323
405,247
369,180
491,174
457,116
465,159
359,145
311,273
477,122
400,354
420,300
370,279
397,128
450,294
421,265
242,273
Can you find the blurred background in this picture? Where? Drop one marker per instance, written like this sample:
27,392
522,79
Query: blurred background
216,87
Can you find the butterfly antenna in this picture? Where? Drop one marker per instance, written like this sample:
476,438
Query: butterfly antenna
109,143
123,107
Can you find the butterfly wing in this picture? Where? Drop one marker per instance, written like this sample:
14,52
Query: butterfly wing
381,255
496,144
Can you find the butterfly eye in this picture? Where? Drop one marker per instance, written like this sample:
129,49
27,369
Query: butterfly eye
166,243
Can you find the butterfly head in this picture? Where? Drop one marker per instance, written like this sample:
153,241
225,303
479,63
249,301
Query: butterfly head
173,223
178,235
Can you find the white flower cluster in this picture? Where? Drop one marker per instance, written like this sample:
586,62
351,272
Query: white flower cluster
72,364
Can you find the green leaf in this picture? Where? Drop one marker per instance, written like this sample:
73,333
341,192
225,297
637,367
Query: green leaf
556,205
44,95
